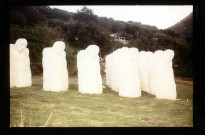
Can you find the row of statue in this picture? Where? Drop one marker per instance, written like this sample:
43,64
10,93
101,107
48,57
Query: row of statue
128,71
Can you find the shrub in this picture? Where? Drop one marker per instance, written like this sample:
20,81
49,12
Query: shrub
38,38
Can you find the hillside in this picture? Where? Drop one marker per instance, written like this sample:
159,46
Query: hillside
184,27
42,26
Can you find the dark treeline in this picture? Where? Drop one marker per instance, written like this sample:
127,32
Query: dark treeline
42,26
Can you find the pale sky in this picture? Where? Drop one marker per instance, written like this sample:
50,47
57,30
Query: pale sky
160,16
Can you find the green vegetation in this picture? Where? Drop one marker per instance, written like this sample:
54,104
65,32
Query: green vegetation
184,27
33,107
42,26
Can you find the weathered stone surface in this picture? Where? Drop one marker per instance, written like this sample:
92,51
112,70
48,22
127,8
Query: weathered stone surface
20,71
129,83
108,64
165,84
89,77
55,73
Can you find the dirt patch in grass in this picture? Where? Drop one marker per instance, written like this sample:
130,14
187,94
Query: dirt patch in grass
185,81
15,96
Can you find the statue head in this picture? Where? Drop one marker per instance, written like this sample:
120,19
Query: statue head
149,56
159,56
81,54
59,46
142,53
134,50
21,44
169,55
93,50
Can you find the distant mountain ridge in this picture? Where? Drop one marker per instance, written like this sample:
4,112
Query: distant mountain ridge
184,27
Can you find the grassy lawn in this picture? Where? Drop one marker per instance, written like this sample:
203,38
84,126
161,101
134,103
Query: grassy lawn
33,107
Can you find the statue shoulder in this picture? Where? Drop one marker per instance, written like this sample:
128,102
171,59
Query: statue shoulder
26,51
46,50
12,46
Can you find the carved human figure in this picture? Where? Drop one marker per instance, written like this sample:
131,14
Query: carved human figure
145,69
114,71
90,78
129,83
149,69
142,70
157,71
55,73
82,69
165,83
108,64
116,60
20,71
135,64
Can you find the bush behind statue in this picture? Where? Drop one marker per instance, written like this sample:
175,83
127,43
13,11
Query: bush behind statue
38,38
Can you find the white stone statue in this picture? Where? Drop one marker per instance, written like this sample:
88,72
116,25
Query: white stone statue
20,71
165,84
129,83
90,80
156,71
145,69
113,66
135,62
55,73
82,71
149,69
115,69
142,70
108,64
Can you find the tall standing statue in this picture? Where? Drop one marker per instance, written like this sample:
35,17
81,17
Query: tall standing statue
166,87
20,71
89,77
149,69
162,82
108,64
116,61
55,73
157,71
145,69
129,83
82,69
142,70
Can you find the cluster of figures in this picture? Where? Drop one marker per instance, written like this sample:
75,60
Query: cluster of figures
128,71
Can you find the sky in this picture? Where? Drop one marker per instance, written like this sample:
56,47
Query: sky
160,16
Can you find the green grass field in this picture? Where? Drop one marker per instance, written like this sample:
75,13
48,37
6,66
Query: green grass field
33,107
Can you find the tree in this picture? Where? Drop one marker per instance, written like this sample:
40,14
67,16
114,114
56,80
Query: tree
17,17
85,11
85,15
33,16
